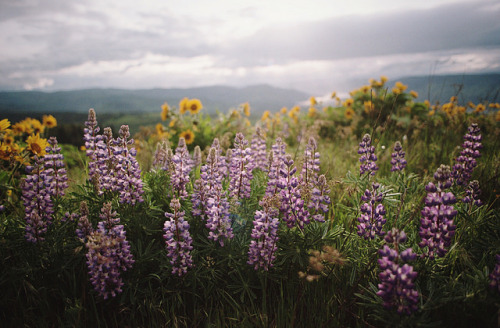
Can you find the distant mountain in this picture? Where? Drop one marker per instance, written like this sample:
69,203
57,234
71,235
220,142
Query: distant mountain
260,97
475,88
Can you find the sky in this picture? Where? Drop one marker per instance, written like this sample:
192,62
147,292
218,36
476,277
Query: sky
316,46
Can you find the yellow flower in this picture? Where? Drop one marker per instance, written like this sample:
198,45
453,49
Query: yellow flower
247,122
265,115
160,129
414,94
348,102
188,136
283,110
365,89
35,125
37,145
194,106
453,99
9,192
497,116
172,123
333,95
83,148
432,112
349,113
471,104
383,79
246,109
165,110
312,112
368,106
183,105
479,108
49,121
396,91
313,101
8,139
4,124
295,109
462,109
427,103
235,114
401,86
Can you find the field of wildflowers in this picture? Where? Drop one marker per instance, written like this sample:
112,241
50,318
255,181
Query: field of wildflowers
375,211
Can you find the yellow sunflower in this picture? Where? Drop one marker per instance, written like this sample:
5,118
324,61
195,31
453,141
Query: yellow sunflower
37,145
165,110
313,101
283,110
311,112
4,124
348,102
194,106
36,125
479,108
188,136
414,94
368,106
183,105
246,109
265,115
349,113
49,121
8,139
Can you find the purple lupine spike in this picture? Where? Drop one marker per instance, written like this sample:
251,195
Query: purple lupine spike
54,169
495,275
368,157
177,239
218,218
310,168
466,161
180,169
276,163
263,246
398,160
320,199
472,194
106,163
196,161
397,287
36,196
292,207
436,225
371,221
84,228
108,254
92,138
127,170
240,173
259,150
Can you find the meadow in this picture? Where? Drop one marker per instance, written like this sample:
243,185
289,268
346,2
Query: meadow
372,211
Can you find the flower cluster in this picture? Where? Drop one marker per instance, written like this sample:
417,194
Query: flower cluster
368,157
108,254
372,218
263,247
495,275
84,227
436,225
54,169
397,287
179,170
91,138
466,162
398,160
319,200
259,150
310,168
178,240
240,171
472,194
276,164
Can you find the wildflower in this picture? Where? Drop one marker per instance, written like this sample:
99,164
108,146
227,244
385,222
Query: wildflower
479,108
310,168
183,105
265,115
399,88
372,218
349,113
37,145
194,106
188,136
49,121
283,110
259,149
165,111
466,161
368,157
436,225
368,106
84,228
181,166
246,109
472,194
398,160
276,164
414,94
311,112
383,79
313,101
263,246
348,102
54,169
241,167
320,200
397,287
4,125
178,240
35,126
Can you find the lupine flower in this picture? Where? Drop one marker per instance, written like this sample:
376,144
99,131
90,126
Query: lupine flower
160,155
36,196
466,162
292,206
240,173
436,225
263,246
368,157
276,163
310,168
108,254
107,163
495,275
84,228
180,168
372,218
398,160
127,170
178,240
259,150
472,194
320,199
196,156
54,169
91,138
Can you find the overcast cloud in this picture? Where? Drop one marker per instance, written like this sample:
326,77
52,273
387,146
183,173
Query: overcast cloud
314,46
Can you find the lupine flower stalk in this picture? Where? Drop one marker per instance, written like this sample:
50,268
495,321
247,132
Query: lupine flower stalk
436,225
397,287
263,246
106,163
310,168
368,157
179,170
472,194
240,173
398,160
108,254
91,138
259,150
276,163
36,196
54,169
371,221
320,199
178,240
466,161
84,228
